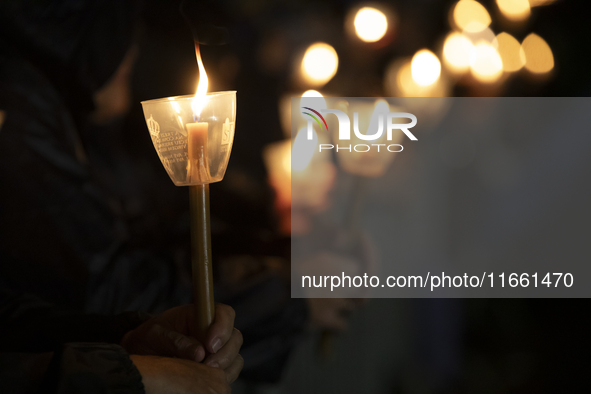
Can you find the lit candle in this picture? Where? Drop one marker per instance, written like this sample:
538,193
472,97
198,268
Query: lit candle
187,149
198,166
198,177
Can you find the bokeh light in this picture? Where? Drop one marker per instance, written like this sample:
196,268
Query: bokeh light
398,81
425,68
514,10
485,34
457,49
405,83
538,55
312,93
370,24
471,16
320,63
511,52
486,63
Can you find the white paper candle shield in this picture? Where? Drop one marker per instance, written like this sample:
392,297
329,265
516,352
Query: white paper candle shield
193,150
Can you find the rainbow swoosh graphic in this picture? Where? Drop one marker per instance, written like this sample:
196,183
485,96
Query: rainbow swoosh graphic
315,118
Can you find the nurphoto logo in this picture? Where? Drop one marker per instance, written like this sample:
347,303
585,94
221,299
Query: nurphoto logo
388,121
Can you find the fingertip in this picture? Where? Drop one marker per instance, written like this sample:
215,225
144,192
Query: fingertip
215,344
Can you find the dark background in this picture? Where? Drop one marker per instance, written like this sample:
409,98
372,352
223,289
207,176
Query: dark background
394,346
391,346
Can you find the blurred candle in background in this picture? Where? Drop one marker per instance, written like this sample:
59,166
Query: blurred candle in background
538,55
370,24
319,64
301,177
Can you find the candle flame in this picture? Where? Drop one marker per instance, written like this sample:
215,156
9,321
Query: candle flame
201,95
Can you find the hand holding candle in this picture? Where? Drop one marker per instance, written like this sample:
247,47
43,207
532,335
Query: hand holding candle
193,137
